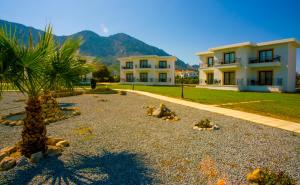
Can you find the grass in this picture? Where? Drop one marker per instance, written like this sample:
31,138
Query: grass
278,105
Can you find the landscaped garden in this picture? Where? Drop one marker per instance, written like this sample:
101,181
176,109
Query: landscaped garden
53,134
279,105
115,141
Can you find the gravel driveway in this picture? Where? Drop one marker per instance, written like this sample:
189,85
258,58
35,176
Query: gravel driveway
114,142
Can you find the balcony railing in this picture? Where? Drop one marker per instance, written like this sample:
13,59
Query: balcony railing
162,67
205,65
127,67
143,66
156,80
255,60
223,62
278,82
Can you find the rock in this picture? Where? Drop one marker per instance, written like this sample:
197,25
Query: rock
36,157
22,161
157,112
7,163
19,123
63,144
122,92
9,150
176,118
54,151
3,155
216,127
52,140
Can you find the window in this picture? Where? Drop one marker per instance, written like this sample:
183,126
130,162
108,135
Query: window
210,78
144,77
265,77
162,64
266,55
129,77
129,65
229,78
144,64
162,77
229,58
210,61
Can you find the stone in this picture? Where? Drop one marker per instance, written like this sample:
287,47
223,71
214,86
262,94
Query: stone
7,163
52,140
9,150
157,112
36,157
63,144
19,123
54,151
22,161
3,155
216,127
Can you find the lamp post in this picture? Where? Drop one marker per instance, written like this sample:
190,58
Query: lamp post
182,85
133,84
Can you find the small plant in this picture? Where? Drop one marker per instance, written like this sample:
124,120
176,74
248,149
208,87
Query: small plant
206,123
266,176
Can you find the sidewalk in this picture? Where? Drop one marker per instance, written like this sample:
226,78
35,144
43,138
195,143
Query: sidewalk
269,121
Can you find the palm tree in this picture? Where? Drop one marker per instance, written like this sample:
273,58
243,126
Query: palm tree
66,66
24,67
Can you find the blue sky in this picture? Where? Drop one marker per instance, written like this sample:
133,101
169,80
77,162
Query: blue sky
180,27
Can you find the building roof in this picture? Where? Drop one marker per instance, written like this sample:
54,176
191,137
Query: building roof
250,44
147,57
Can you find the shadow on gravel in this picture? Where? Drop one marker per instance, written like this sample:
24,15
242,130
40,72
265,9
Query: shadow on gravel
108,168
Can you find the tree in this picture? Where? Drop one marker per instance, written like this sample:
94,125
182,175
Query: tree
34,68
66,66
101,72
24,67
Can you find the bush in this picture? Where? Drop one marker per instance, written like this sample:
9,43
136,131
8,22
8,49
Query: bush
266,176
204,124
93,83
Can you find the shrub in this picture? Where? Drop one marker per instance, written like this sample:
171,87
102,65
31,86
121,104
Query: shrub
93,83
204,124
266,176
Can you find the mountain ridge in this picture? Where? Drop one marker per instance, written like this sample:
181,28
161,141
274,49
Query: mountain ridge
107,49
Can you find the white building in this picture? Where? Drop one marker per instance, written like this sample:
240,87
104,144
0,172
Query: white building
248,66
148,70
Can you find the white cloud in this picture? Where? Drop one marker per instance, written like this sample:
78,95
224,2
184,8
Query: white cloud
104,29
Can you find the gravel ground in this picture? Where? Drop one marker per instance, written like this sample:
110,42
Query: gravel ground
114,142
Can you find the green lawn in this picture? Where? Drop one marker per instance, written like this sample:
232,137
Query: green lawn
278,105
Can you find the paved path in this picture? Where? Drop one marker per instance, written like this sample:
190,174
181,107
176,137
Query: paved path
269,121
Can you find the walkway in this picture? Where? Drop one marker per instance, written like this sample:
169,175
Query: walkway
269,121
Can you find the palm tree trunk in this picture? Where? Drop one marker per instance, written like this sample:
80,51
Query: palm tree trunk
34,130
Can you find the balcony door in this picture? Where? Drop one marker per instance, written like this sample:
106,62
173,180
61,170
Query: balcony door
129,77
229,78
144,77
210,78
229,58
162,77
266,56
265,77
210,61
143,63
129,65
162,64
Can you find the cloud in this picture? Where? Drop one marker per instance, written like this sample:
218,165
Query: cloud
104,29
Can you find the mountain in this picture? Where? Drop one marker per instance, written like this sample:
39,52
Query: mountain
107,49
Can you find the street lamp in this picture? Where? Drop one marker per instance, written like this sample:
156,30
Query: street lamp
182,85
133,83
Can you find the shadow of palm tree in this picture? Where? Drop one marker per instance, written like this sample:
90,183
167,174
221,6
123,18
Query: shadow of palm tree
108,168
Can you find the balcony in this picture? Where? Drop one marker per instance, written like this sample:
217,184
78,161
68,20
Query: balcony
222,64
143,66
205,65
271,62
148,80
127,67
162,67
